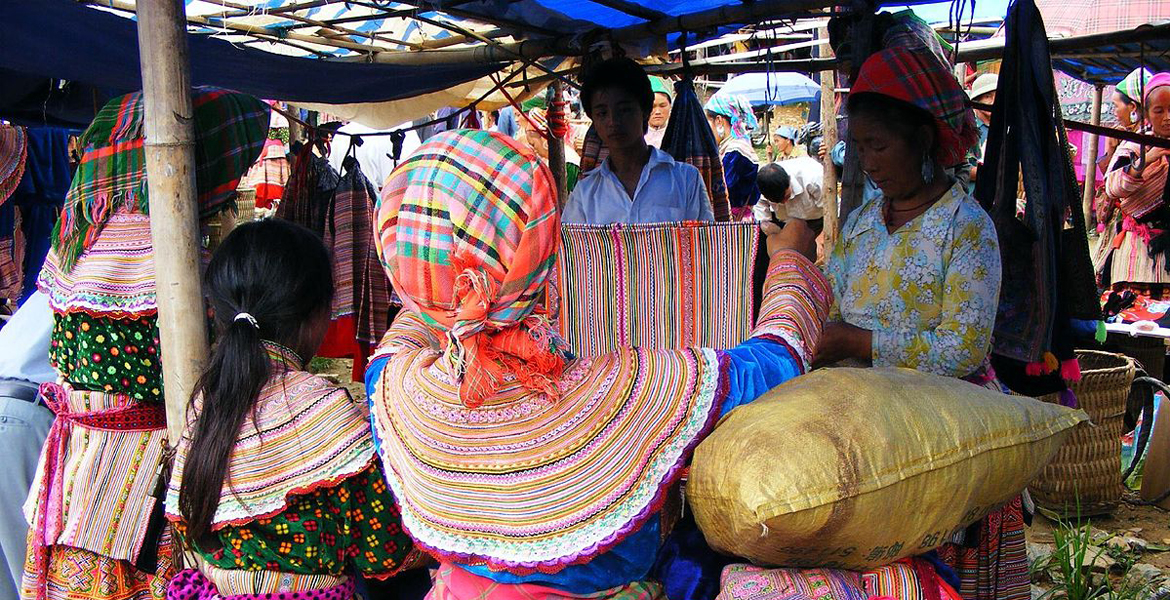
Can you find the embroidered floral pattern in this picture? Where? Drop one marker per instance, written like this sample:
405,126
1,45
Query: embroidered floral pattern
322,532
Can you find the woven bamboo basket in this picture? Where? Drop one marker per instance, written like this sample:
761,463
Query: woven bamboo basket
245,205
1085,476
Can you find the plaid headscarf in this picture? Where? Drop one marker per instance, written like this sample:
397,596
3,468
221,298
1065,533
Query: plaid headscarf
1135,83
738,110
468,229
918,78
230,129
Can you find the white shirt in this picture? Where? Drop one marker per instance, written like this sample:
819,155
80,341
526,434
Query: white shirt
375,155
806,176
668,191
24,342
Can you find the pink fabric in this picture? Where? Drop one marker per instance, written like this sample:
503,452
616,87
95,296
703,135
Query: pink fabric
1157,81
190,584
1139,229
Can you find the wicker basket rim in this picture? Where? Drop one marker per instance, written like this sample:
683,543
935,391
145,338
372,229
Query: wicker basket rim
1129,363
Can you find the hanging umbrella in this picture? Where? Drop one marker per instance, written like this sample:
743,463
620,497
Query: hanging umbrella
762,89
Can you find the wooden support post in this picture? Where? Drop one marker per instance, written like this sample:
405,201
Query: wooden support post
1089,147
556,150
829,139
829,199
174,224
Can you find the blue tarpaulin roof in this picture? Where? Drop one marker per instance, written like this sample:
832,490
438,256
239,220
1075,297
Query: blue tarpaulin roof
62,39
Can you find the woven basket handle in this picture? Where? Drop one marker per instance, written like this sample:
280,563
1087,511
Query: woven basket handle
1143,438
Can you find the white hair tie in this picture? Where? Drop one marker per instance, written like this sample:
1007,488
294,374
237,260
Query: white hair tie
247,317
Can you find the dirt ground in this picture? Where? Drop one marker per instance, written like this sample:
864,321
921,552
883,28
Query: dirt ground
1148,523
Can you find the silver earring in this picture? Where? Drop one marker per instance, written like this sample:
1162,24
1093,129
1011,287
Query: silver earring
927,169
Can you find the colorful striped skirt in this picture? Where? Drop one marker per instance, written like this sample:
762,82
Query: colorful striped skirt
996,569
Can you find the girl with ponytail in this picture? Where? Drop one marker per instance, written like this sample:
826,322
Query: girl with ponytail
276,484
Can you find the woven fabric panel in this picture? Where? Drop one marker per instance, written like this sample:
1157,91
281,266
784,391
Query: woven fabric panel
661,285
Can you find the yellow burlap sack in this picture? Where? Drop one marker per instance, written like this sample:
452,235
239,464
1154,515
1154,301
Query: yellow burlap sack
855,468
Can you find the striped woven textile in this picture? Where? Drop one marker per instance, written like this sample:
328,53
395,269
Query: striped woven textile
795,305
997,569
1137,196
106,479
363,289
655,285
308,434
455,583
113,278
908,579
525,482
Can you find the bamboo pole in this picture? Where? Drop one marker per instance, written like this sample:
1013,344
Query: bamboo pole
174,225
829,200
1091,158
556,150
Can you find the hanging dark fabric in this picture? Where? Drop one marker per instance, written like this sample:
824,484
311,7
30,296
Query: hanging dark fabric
688,139
1047,273
309,191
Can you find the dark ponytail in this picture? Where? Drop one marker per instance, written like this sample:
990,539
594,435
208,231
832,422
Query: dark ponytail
280,275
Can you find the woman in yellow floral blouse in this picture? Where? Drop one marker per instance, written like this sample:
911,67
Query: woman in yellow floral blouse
916,271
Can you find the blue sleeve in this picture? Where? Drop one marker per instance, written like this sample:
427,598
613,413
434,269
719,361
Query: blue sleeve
628,561
373,374
740,174
838,154
756,366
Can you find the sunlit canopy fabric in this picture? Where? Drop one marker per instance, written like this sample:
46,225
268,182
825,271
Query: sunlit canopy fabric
62,39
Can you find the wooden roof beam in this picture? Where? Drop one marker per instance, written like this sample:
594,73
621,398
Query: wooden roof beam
633,9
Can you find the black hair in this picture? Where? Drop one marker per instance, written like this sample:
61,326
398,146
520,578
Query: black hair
1125,98
773,181
279,273
621,73
902,118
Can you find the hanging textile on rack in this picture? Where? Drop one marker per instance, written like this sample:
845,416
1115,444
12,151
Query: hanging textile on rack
1047,273
697,291
688,139
13,154
362,289
309,191
40,195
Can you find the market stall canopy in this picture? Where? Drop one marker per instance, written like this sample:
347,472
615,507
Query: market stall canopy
368,55
763,89
61,39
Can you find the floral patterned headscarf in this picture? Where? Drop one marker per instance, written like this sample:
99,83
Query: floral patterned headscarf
738,110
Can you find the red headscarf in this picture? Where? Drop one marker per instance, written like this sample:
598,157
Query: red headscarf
920,79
